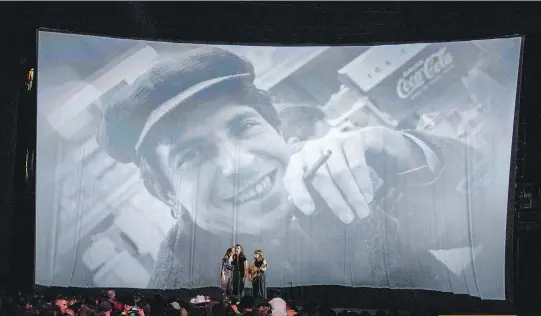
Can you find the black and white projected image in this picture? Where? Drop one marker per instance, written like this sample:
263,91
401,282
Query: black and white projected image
374,166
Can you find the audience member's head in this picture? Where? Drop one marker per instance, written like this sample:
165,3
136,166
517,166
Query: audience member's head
86,310
28,305
233,300
105,308
144,306
73,301
175,305
263,309
62,303
111,294
183,312
138,297
279,306
75,306
233,305
101,298
90,302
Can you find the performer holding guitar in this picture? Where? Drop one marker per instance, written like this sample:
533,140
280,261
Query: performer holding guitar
256,274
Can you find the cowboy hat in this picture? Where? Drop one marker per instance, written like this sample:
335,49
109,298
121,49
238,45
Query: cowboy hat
199,299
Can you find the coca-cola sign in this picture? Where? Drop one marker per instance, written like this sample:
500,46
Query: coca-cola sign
432,73
417,78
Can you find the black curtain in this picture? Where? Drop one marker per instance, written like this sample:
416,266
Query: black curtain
12,80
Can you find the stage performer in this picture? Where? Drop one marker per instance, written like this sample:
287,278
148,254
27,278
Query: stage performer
227,272
240,269
257,275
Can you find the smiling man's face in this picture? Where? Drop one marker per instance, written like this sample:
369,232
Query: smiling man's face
226,167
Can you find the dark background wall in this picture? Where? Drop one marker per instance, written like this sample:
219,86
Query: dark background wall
282,23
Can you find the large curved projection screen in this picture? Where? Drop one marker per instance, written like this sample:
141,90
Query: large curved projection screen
372,166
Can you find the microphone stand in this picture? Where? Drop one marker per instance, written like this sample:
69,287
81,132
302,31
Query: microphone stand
290,296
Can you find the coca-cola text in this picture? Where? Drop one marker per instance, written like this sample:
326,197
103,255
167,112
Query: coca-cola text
431,67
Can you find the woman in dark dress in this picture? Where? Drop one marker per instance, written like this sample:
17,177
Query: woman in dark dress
227,273
240,269
257,273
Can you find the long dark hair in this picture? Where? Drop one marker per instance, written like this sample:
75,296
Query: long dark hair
228,253
241,253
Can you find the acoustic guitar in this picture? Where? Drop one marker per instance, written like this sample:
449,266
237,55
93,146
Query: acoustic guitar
253,272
